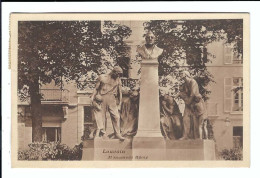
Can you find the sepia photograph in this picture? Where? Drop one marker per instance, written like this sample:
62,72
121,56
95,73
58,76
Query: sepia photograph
130,88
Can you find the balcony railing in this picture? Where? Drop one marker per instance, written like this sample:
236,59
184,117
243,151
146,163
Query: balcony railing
55,95
90,85
238,61
126,82
130,83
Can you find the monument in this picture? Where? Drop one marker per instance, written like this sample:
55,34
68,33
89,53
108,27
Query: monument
148,143
149,111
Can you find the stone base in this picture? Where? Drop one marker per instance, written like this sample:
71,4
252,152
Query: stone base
190,150
111,149
88,150
151,149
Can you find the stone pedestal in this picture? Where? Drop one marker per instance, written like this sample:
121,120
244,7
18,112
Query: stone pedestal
190,150
149,110
105,150
149,144
148,149
88,150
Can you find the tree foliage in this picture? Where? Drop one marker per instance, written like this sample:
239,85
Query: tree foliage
69,49
231,154
184,44
62,51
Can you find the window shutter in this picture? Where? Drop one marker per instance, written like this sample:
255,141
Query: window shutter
227,94
228,54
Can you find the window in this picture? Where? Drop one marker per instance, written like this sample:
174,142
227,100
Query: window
237,91
233,94
89,122
230,56
238,137
88,115
51,134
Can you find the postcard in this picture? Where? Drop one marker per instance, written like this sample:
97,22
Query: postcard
130,89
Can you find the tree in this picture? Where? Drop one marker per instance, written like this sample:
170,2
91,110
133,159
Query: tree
57,50
184,44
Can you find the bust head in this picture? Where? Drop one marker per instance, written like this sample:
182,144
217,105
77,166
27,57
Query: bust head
150,38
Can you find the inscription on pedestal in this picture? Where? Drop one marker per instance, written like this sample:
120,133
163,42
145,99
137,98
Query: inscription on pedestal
112,149
148,149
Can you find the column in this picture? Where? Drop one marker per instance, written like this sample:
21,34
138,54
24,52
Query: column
149,109
149,144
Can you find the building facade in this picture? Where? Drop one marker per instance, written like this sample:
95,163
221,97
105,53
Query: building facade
225,104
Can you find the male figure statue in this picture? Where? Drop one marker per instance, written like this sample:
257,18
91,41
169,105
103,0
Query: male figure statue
200,111
189,91
109,87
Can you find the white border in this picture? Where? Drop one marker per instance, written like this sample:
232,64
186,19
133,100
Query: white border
133,7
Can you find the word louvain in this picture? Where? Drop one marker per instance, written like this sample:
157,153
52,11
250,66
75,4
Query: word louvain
113,151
